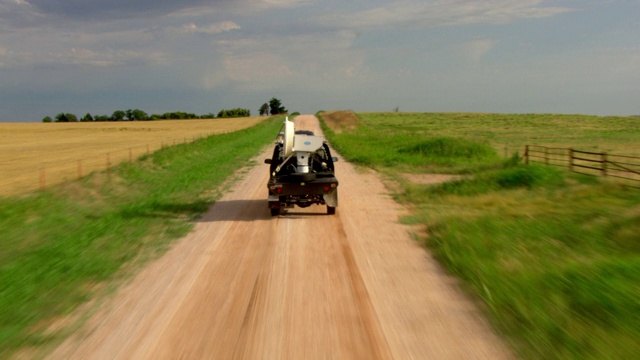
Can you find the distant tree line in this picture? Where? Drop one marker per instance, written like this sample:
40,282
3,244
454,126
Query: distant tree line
273,107
139,115
237,112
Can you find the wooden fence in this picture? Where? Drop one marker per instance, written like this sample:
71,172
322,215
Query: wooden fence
585,162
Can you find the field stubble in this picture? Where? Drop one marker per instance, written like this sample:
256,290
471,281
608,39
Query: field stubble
39,155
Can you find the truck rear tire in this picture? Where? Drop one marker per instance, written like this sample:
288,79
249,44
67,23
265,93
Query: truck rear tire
331,210
275,211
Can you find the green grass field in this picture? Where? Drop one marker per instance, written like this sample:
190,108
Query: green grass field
64,246
513,131
554,256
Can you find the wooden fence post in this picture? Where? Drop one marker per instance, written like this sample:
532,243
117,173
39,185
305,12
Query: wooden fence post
570,159
546,155
43,178
108,164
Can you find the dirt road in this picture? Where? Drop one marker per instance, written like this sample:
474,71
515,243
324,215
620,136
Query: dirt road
303,285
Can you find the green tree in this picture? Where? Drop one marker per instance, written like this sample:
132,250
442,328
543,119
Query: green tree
47,119
138,114
276,107
171,116
264,109
66,117
62,117
87,118
117,115
129,114
237,112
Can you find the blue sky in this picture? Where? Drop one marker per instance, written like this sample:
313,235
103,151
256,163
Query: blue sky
507,56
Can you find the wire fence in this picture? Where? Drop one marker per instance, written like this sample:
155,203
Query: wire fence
54,173
622,167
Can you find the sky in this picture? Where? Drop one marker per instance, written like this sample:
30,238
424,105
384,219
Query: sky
201,56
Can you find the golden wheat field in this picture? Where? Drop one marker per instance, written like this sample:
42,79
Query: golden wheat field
39,155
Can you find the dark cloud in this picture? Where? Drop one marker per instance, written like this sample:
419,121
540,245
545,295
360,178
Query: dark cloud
116,9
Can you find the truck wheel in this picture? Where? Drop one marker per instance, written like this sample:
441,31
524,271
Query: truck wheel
275,211
331,210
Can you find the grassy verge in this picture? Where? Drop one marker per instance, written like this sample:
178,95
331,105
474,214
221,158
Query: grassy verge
382,147
58,248
555,257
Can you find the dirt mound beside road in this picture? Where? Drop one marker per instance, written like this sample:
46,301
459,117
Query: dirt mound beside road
340,121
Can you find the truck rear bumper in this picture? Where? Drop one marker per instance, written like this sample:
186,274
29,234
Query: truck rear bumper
319,186
322,190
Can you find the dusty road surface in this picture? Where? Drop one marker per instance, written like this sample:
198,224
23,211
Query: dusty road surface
303,285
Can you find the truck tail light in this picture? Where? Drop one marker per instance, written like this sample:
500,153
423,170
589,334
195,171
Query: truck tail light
328,188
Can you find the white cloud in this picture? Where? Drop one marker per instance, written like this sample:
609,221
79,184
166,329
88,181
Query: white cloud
108,38
282,3
265,67
81,56
475,50
100,46
13,4
216,28
17,13
238,7
443,12
251,64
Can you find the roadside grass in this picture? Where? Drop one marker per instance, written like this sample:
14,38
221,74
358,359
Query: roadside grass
508,133
553,256
61,247
557,263
383,147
